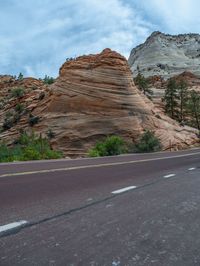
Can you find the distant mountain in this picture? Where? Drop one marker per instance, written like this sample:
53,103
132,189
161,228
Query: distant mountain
167,55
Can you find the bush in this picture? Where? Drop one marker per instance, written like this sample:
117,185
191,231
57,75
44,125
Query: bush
20,77
33,120
50,134
19,108
48,80
148,143
28,148
112,145
10,120
17,92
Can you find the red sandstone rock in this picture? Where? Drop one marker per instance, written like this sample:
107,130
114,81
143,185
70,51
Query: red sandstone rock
93,97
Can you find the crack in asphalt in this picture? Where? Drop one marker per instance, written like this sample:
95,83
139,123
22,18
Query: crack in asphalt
71,211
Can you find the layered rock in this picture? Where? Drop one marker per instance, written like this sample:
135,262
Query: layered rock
95,96
167,55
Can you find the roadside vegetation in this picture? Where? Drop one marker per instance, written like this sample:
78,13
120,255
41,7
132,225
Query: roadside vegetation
148,143
28,147
115,145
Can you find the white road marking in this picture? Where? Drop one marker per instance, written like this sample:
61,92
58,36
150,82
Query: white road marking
96,165
168,176
192,169
123,190
12,226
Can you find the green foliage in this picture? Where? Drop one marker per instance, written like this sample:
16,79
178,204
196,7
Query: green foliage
19,108
142,83
10,120
28,148
50,134
194,109
33,120
112,145
48,80
148,143
183,99
171,99
17,92
20,77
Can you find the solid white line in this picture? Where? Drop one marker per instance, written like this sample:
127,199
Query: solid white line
97,165
123,190
12,226
192,169
168,176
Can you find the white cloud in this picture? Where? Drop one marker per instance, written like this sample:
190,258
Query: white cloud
37,36
42,34
172,16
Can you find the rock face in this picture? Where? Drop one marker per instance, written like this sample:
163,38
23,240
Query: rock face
167,55
93,97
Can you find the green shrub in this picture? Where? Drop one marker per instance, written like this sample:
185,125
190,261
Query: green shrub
10,120
17,92
48,80
8,123
28,148
20,77
112,145
19,108
148,143
50,134
33,120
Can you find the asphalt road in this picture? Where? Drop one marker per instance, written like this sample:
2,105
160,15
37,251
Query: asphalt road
118,211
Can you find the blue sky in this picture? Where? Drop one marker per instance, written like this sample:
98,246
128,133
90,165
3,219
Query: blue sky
36,36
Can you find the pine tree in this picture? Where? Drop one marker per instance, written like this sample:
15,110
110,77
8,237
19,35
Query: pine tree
142,83
171,99
194,109
183,99
20,77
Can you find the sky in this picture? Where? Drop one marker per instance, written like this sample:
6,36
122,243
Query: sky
36,36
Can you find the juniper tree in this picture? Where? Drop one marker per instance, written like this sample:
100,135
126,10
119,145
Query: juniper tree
142,83
194,109
171,99
183,99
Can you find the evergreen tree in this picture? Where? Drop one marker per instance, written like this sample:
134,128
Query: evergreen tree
171,99
183,99
142,83
194,109
20,77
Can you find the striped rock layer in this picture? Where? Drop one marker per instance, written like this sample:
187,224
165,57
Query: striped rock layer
94,97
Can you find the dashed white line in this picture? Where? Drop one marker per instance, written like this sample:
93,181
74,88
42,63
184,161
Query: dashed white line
168,176
6,229
192,169
123,190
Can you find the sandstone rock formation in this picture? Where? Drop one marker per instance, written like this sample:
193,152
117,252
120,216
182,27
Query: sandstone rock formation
93,97
167,55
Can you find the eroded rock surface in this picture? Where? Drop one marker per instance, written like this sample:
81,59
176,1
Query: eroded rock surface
167,55
93,97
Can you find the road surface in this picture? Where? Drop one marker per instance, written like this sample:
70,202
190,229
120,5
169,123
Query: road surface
139,209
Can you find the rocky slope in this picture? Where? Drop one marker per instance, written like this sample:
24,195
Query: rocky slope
158,85
93,97
167,55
